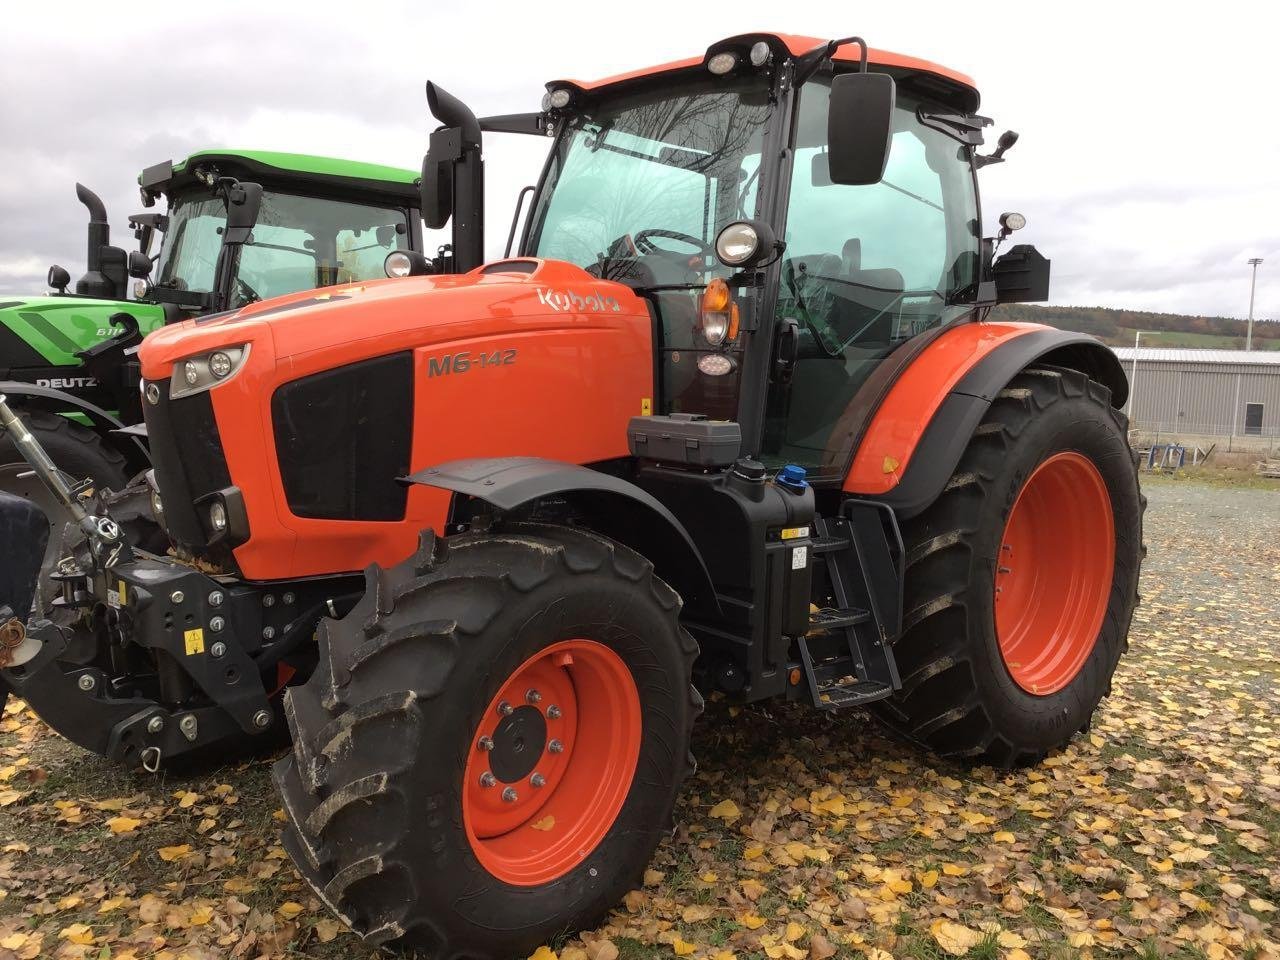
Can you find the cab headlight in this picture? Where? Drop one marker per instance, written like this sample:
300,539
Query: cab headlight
197,374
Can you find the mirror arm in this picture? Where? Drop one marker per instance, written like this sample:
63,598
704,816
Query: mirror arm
809,63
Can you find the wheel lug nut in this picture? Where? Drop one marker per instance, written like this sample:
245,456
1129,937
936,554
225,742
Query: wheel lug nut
486,743
538,780
555,746
553,712
509,795
505,708
487,779
533,696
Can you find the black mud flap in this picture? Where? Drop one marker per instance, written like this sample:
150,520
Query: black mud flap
24,534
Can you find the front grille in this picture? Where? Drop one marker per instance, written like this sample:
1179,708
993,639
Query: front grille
343,436
186,451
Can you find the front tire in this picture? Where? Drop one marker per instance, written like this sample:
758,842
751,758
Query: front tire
1022,577
77,452
411,797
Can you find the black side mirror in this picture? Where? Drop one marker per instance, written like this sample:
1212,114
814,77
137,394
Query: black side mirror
139,265
435,192
859,127
244,201
58,278
1022,276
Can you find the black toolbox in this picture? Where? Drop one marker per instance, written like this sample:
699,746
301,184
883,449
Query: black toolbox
689,439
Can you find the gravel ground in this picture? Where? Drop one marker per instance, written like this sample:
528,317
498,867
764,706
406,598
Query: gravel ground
801,836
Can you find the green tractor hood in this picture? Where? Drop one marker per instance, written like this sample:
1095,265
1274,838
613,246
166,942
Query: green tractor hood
49,331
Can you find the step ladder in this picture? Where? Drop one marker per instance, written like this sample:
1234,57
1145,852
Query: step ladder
847,657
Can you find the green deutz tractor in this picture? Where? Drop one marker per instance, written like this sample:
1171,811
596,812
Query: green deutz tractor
241,226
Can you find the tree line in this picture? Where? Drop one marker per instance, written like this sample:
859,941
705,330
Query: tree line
1116,327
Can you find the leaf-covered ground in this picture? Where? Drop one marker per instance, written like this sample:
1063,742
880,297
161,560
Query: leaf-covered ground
1156,834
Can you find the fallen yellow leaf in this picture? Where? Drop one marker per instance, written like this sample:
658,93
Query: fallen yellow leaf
76,933
726,810
543,953
546,823
169,854
123,824
696,913
289,909
752,921
955,938
793,932
682,948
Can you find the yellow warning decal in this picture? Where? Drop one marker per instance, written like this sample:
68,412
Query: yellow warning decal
123,595
194,640
646,407
792,533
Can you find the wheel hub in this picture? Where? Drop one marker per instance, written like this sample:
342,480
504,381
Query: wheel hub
518,744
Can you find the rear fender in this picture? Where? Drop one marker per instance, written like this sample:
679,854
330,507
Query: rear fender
609,505
105,425
916,438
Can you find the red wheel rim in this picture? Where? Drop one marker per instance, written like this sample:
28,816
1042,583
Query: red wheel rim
551,762
1053,575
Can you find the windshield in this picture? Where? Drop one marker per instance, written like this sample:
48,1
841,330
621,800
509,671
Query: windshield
652,177
298,243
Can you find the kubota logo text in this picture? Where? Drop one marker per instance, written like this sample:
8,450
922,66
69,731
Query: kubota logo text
561,300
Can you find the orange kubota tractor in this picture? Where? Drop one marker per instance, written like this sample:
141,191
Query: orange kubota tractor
732,419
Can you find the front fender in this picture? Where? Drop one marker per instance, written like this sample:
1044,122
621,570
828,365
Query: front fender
107,426
610,505
914,441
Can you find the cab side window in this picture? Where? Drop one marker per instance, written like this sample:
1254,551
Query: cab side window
866,268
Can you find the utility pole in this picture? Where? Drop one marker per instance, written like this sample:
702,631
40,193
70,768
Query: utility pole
1253,284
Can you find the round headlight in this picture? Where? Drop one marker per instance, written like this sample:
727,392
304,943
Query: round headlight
722,63
220,364
218,516
737,243
560,98
397,264
759,53
191,372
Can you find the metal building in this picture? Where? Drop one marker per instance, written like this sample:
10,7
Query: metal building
1186,394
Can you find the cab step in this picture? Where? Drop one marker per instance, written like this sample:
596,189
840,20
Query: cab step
847,654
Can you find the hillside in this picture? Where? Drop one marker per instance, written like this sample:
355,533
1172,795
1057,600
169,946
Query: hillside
1117,327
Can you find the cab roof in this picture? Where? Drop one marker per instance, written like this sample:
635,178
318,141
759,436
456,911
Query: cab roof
331,176
961,85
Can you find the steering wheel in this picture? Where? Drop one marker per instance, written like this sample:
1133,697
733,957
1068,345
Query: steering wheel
643,241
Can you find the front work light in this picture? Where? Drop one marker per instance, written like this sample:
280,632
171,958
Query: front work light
722,63
198,374
759,53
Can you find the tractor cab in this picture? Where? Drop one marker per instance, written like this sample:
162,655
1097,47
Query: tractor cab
314,222
792,215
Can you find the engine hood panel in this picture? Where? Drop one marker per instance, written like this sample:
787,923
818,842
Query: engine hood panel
382,316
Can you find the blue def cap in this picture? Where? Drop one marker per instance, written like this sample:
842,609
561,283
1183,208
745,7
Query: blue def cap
792,477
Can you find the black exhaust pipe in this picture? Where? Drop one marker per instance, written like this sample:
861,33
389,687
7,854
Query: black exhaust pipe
107,267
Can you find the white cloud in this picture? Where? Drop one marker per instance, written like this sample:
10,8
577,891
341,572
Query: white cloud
1149,167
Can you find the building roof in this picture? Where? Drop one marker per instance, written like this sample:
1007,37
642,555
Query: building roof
1198,355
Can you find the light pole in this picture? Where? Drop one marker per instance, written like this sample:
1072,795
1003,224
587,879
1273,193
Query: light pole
1133,380
1253,284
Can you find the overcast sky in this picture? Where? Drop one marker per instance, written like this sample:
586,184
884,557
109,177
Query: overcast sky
1148,169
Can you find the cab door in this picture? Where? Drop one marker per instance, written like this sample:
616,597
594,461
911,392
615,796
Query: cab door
866,269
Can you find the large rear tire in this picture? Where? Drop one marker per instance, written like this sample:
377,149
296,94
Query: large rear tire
490,748
1022,578
79,453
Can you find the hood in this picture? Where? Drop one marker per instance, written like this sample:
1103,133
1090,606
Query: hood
49,330
382,316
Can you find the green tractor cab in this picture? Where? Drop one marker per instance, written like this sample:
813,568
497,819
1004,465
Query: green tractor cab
238,226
